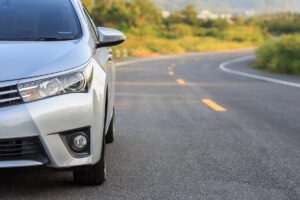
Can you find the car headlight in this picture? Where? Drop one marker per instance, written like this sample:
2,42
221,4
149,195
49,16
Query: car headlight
75,82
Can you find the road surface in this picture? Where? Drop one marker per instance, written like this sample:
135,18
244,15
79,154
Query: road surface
188,130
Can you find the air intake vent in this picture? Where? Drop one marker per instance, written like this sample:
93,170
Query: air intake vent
20,149
9,96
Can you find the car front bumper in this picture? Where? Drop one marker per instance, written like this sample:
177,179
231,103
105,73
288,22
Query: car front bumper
47,118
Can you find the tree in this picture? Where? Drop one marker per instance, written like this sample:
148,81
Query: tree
118,15
125,15
98,12
187,15
144,12
239,20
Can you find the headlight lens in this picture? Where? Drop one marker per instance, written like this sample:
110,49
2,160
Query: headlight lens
77,82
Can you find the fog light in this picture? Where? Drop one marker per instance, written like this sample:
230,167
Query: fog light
79,142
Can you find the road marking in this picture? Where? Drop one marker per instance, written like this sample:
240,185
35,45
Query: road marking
147,84
180,82
213,105
170,69
257,77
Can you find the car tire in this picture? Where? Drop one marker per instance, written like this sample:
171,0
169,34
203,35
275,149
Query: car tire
95,175
110,136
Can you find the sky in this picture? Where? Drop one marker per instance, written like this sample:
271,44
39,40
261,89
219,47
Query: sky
233,5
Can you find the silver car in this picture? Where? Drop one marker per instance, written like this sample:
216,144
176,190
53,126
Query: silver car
56,88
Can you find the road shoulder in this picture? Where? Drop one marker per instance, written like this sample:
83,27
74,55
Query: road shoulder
242,67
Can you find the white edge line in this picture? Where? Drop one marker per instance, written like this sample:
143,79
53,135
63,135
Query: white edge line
257,77
140,60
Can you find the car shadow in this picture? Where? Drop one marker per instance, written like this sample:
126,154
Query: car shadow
26,181
47,183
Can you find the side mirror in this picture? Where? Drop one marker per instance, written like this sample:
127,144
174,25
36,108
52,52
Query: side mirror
110,37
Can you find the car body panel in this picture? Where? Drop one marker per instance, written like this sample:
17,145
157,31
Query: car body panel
49,117
21,60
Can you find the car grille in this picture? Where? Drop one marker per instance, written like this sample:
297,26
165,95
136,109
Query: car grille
20,148
9,95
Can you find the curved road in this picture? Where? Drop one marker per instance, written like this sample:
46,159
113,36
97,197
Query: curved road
188,130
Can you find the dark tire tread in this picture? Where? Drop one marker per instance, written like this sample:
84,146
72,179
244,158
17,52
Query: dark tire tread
110,136
93,176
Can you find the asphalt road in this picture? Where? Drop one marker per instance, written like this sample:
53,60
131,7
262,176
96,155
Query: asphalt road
188,130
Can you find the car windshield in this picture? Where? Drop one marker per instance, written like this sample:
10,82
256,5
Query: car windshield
41,20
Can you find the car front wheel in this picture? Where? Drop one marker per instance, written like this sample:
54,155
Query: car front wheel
95,175
110,136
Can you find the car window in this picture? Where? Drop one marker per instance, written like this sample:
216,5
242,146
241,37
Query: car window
36,19
91,25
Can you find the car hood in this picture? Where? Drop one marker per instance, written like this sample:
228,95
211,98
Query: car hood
19,60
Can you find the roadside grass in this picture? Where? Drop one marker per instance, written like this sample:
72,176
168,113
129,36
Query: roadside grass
151,45
280,55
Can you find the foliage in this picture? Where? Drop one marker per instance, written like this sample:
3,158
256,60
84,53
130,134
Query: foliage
137,16
216,23
285,23
183,31
179,30
151,45
187,15
99,11
244,33
280,55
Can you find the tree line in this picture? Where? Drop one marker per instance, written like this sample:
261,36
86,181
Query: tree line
144,17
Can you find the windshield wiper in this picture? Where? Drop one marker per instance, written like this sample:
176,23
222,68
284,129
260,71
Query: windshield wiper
54,38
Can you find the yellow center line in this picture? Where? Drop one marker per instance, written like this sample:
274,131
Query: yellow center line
180,82
213,105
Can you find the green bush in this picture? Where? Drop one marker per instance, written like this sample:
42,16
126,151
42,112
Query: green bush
147,45
209,32
180,30
280,55
244,33
284,23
